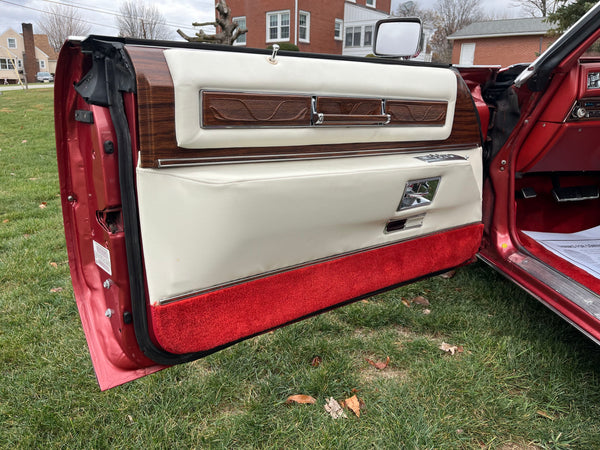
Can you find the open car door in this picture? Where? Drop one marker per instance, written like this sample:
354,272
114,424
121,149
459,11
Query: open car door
542,189
213,193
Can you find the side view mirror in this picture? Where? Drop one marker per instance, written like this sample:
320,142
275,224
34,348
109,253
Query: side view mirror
398,37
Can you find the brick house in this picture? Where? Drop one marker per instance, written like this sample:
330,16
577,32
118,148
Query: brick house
317,26
500,42
14,50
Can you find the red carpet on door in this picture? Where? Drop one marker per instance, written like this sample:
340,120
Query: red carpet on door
213,319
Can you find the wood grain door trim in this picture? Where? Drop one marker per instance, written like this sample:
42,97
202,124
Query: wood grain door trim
158,144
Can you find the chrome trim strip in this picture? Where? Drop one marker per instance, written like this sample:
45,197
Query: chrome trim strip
298,266
316,117
245,159
538,298
578,294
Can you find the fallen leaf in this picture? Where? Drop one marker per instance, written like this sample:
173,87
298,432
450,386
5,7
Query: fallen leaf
448,275
452,349
129,418
365,301
459,431
426,312
53,264
58,289
377,364
420,300
24,141
300,398
406,303
5,221
316,361
545,414
353,404
43,205
334,409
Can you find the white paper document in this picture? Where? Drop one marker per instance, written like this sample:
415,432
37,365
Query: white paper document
581,249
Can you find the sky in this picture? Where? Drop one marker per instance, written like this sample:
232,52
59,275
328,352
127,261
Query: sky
178,13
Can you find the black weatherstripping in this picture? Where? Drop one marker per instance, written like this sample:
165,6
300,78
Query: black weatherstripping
94,86
112,75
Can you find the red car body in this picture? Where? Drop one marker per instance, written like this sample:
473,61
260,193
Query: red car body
204,205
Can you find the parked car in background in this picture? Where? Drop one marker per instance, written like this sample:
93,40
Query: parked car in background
204,204
44,77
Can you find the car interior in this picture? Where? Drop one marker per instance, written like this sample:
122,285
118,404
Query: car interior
557,178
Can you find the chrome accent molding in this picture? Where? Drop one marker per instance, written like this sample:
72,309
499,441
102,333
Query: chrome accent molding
209,161
565,286
185,295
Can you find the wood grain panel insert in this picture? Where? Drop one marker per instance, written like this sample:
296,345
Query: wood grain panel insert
230,109
158,144
349,106
406,112
156,104
350,111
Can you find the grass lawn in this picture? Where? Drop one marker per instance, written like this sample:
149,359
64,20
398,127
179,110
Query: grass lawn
526,379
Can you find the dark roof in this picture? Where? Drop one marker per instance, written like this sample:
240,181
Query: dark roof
508,27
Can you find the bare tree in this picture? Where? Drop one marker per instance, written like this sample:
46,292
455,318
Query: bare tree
142,21
408,9
538,8
230,30
59,22
451,16
412,9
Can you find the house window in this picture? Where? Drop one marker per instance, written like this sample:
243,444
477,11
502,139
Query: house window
353,36
368,39
6,64
278,26
42,64
12,42
467,54
338,34
241,21
304,26
371,3
20,64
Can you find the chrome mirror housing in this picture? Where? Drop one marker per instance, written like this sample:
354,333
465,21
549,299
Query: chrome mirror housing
399,37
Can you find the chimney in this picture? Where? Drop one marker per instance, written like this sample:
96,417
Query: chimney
30,62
